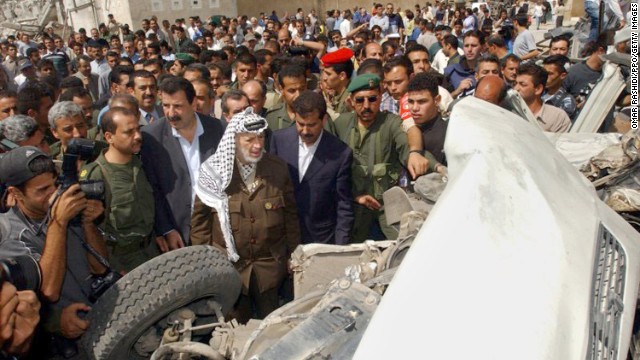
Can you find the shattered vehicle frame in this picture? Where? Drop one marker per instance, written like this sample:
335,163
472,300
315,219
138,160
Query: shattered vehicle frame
517,259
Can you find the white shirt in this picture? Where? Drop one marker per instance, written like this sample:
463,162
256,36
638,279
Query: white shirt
345,28
441,60
191,152
305,155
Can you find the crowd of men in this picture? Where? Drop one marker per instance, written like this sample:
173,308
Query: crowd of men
254,135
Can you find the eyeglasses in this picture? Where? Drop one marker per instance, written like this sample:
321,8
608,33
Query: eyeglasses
371,99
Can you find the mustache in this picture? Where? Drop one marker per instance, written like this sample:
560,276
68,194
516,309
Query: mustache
367,111
174,118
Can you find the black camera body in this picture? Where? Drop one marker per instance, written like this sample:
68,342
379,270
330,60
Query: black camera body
80,149
21,271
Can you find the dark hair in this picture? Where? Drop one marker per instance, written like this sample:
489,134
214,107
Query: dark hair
593,46
112,54
205,82
371,66
290,71
308,102
560,61
261,56
11,94
74,92
488,58
522,20
245,59
29,97
476,34
139,74
510,57
191,48
107,123
233,94
156,61
450,40
559,38
30,51
71,82
202,69
396,61
117,71
496,40
84,58
537,73
416,48
422,82
174,85
223,67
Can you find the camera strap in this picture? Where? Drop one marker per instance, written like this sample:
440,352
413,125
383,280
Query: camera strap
92,251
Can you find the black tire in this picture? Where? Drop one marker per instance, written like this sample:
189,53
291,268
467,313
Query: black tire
152,291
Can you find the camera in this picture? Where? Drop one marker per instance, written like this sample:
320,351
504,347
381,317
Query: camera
80,149
21,271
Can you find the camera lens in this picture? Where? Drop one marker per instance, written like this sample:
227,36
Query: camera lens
22,271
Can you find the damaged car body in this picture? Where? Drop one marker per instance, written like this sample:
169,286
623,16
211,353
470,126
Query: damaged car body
518,258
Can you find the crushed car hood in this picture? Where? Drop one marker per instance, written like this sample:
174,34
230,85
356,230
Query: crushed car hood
503,267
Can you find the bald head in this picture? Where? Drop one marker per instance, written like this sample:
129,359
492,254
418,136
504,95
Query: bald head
256,91
373,50
491,88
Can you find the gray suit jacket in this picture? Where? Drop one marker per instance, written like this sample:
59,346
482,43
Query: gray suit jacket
167,171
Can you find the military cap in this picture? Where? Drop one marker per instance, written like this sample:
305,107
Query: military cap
364,82
337,57
185,58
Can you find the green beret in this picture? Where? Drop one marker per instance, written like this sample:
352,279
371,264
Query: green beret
185,58
364,82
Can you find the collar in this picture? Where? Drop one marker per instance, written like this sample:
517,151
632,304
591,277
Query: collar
312,147
246,170
430,124
540,114
199,128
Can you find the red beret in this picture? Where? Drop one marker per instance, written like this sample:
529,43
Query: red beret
337,57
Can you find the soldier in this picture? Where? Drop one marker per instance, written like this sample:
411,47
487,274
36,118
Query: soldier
380,150
292,81
129,210
336,75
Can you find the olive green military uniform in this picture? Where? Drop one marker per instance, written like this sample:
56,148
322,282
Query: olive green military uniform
379,153
129,211
278,118
55,150
339,103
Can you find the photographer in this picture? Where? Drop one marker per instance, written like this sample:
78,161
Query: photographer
19,316
41,225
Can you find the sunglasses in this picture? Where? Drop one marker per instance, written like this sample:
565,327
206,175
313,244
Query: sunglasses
371,99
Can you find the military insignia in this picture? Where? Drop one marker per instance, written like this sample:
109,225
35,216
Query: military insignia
372,83
83,173
268,206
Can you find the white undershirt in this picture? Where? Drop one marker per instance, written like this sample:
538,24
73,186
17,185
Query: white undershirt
191,152
305,155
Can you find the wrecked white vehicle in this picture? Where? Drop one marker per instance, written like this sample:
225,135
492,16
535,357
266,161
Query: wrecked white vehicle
518,259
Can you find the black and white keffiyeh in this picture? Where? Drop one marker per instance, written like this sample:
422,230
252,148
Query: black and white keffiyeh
217,170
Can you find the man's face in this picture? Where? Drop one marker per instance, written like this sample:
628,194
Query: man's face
145,25
68,128
554,77
423,106
249,147
37,192
78,38
121,86
94,33
366,104
155,69
129,48
256,99
420,61
509,70
178,110
245,72
98,53
358,41
457,28
202,102
397,81
336,38
153,25
192,75
524,86
46,70
389,9
235,106
42,115
283,38
12,52
86,104
115,44
112,61
388,54
58,43
201,43
292,87
265,69
145,91
559,48
471,47
487,68
300,27
7,107
48,43
217,79
38,140
331,79
373,51
309,127
127,139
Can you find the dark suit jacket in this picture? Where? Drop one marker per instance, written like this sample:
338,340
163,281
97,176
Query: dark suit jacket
167,171
324,195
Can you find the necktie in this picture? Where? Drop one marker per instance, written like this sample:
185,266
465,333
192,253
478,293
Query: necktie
150,118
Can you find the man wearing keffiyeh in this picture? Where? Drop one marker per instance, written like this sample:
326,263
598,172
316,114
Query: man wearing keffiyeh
245,204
